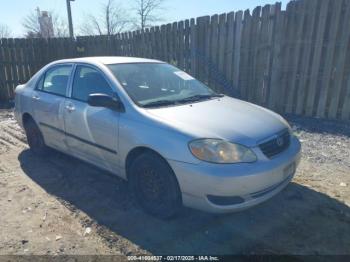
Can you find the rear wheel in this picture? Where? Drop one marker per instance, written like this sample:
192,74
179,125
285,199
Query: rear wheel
155,186
35,138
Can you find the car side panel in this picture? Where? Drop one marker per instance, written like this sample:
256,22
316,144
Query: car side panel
92,133
48,113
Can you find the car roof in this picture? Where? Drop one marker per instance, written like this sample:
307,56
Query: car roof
108,60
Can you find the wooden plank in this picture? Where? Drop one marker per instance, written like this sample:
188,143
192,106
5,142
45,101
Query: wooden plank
168,40
330,52
163,42
174,44
118,44
132,44
147,43
289,50
26,72
214,34
253,49
112,45
14,73
193,44
14,65
3,95
345,112
244,63
237,49
221,54
187,46
262,61
122,43
158,45
7,60
8,68
24,68
181,43
206,55
152,43
315,67
340,65
229,51
26,59
20,62
31,56
200,48
275,73
301,11
304,74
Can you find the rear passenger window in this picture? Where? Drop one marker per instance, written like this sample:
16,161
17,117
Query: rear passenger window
56,80
88,81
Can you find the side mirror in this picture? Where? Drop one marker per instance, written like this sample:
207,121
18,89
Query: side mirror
103,100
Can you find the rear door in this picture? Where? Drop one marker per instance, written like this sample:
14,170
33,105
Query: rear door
91,132
48,103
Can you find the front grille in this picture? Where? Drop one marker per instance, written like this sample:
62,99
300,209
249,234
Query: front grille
276,145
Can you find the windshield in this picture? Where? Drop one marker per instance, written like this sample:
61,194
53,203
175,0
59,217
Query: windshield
159,84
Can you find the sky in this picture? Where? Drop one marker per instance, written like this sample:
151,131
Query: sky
13,11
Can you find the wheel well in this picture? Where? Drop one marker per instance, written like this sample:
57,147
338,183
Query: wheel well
26,117
134,153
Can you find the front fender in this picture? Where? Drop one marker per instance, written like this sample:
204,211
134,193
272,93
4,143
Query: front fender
170,144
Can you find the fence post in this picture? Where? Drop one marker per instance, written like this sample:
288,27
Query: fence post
340,64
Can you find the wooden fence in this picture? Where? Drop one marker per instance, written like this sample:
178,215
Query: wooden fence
293,61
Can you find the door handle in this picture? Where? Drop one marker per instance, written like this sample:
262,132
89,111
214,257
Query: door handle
35,97
70,108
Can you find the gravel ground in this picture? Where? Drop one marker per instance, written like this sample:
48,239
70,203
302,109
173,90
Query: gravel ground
323,141
59,205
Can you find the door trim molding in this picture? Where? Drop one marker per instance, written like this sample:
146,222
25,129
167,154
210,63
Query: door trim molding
78,138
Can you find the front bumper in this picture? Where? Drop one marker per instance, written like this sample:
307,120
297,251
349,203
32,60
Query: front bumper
254,182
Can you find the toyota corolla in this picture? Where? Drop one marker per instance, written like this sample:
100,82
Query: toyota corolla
174,139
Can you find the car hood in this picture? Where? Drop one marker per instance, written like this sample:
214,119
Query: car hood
225,118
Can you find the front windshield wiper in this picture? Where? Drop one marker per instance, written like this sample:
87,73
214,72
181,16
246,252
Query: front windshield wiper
199,97
159,103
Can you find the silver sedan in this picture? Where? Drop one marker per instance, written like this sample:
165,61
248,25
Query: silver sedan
174,139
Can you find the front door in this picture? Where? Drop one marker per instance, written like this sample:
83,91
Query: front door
91,132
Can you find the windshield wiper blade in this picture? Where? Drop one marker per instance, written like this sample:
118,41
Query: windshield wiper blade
199,97
159,103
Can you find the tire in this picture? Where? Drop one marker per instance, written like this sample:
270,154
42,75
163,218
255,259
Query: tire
155,186
35,138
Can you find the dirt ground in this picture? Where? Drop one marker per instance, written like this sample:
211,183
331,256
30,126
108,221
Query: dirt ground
59,205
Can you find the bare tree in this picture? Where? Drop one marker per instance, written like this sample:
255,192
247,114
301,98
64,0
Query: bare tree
147,12
5,31
32,26
60,26
112,20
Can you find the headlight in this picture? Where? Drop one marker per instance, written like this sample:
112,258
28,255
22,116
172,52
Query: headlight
220,151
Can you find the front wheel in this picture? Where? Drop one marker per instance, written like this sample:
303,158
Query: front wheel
155,186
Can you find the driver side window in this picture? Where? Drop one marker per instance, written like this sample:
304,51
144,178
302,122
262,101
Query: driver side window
88,80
